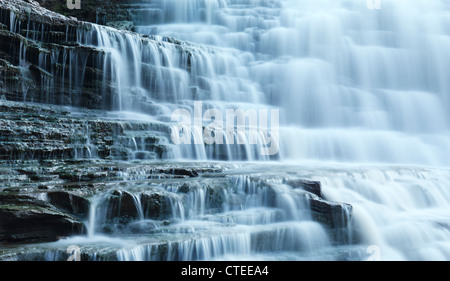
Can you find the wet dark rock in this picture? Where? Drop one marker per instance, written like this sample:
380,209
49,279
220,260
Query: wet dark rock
185,172
33,253
215,196
32,131
124,209
26,219
134,190
311,186
332,214
122,205
34,79
184,188
122,25
155,205
81,176
70,203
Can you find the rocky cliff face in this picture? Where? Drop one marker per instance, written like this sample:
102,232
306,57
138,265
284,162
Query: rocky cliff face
59,199
38,132
39,54
48,58
44,59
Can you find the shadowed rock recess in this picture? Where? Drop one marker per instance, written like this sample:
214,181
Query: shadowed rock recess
80,165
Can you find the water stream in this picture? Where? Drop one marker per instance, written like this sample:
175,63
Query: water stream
364,108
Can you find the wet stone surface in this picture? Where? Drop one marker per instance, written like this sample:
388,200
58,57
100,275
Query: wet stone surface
163,201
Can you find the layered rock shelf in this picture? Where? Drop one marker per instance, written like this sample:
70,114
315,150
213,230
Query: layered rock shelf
69,173
32,131
81,165
41,203
48,58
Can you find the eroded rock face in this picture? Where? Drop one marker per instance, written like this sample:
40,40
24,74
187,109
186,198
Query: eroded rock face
44,132
155,205
336,215
27,219
123,206
41,60
313,187
70,203
165,203
123,25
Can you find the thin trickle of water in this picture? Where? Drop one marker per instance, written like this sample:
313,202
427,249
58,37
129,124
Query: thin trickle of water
91,223
178,208
138,204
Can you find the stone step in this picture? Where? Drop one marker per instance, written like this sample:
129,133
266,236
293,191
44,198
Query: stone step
192,240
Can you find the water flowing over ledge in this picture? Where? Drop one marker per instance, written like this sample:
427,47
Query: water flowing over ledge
220,211
85,132
360,92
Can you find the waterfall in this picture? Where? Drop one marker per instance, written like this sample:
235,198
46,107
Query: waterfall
356,99
352,83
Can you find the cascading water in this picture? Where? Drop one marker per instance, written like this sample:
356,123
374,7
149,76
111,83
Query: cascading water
364,108
354,85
